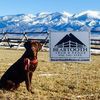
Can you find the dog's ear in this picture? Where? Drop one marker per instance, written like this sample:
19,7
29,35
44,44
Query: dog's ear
27,44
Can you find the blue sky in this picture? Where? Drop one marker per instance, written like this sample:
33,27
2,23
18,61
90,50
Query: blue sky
11,7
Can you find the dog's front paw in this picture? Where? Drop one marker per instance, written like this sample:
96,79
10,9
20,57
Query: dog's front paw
32,92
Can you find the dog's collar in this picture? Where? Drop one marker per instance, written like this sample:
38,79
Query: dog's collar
34,62
29,62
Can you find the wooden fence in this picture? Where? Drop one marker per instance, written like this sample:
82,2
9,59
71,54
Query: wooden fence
17,40
11,40
95,43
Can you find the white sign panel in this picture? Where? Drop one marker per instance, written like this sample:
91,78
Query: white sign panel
70,46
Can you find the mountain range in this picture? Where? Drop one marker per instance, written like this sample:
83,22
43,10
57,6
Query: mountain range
46,21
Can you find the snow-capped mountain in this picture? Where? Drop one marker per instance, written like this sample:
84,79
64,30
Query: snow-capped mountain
46,21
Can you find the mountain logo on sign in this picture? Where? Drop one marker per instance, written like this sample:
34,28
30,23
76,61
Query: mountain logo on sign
70,41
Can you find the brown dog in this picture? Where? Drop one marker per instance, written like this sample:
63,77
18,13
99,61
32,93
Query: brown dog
22,69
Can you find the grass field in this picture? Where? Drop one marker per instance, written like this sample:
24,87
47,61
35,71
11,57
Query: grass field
55,80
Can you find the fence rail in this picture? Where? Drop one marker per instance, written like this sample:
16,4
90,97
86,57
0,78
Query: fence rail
17,39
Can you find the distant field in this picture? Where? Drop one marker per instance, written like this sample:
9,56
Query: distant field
55,80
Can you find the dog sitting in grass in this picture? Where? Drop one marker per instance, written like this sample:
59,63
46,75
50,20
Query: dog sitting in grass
22,69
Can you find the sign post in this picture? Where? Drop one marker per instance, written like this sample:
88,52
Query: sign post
70,46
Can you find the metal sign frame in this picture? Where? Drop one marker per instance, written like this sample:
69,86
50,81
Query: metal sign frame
73,46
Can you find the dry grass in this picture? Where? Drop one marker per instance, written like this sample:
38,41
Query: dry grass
55,80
